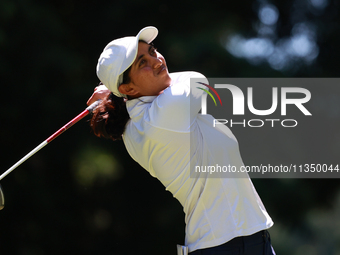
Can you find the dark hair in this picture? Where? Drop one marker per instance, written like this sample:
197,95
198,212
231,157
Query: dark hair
110,117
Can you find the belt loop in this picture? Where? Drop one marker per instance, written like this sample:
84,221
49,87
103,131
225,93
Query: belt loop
265,235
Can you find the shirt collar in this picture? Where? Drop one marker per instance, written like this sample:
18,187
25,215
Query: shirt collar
137,105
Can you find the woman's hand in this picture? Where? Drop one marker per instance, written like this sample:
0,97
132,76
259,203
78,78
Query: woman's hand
100,92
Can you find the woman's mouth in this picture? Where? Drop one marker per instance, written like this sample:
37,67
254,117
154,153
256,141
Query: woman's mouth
161,69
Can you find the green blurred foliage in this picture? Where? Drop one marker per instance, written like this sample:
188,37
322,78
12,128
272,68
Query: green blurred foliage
56,205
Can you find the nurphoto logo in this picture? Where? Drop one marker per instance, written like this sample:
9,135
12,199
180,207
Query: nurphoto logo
282,99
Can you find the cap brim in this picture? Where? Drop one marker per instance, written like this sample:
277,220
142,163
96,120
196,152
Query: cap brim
147,34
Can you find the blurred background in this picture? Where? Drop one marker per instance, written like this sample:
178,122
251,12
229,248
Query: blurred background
85,195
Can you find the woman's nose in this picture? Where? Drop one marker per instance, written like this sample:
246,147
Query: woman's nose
157,63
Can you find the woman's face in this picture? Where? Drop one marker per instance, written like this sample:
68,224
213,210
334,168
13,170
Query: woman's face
149,74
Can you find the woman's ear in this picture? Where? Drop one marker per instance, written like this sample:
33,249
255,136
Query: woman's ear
127,89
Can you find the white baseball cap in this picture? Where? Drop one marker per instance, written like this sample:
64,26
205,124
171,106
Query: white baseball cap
118,56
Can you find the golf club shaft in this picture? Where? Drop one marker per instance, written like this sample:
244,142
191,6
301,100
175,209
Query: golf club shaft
52,137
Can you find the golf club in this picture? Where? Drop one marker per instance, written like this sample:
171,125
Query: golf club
48,140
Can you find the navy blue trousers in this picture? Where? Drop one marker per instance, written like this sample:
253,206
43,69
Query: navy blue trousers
256,244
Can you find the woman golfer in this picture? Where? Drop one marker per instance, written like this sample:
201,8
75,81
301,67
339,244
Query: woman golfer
157,116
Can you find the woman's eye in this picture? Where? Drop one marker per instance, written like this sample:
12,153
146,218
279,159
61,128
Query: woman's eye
142,62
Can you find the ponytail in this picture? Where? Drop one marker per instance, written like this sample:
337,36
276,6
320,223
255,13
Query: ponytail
110,117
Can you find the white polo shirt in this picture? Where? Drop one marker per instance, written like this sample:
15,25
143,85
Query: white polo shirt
168,137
